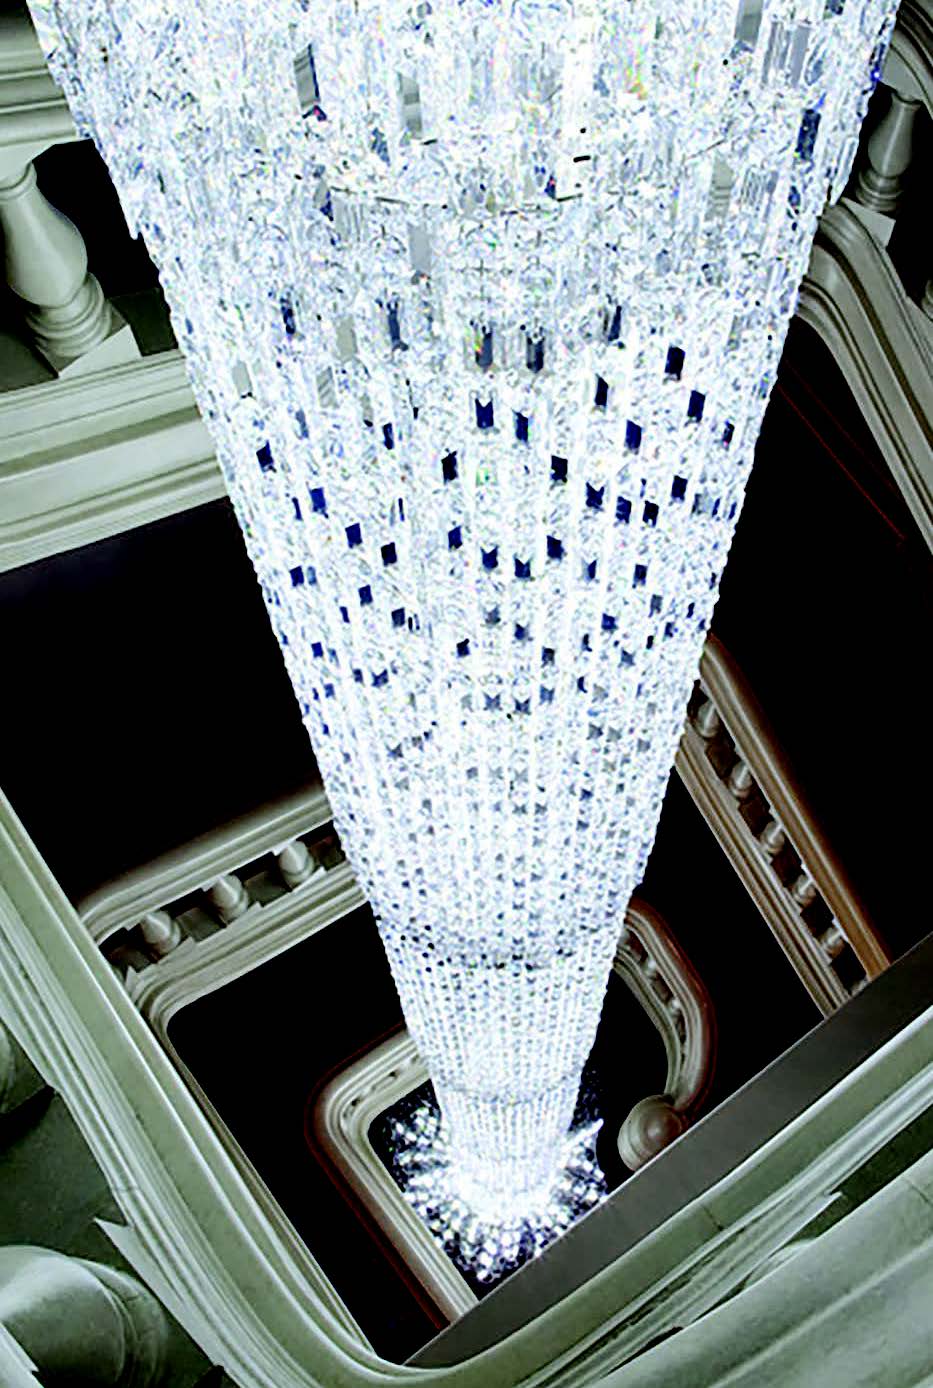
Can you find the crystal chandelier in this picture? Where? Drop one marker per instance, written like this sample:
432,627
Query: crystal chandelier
482,302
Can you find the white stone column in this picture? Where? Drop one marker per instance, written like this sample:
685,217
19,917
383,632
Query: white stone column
79,1321
45,264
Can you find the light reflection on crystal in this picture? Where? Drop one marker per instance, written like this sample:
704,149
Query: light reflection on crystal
487,1241
482,302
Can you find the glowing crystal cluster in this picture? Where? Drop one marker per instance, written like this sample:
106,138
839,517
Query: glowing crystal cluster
482,302
486,1249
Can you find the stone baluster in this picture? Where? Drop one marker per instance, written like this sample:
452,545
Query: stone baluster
82,1322
295,863
833,941
45,264
880,181
160,932
741,781
772,838
803,890
707,721
229,898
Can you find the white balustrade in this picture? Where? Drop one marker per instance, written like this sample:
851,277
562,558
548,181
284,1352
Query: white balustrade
743,787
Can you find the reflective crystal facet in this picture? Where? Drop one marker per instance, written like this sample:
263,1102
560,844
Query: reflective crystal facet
482,303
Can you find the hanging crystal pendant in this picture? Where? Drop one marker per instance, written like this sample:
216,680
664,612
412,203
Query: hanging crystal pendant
482,303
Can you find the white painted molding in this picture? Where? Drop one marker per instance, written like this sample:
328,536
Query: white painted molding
84,459
882,343
343,1114
195,1219
196,968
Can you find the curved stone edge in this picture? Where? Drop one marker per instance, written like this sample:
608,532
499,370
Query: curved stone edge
852,297
79,1318
666,984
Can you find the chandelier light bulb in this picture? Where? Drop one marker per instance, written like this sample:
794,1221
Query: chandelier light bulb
482,301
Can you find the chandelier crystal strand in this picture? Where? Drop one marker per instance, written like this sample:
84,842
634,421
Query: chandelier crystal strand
482,304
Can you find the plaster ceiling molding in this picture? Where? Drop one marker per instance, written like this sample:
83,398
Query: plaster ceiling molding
740,780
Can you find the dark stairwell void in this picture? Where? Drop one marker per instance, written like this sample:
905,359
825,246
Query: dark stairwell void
144,700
